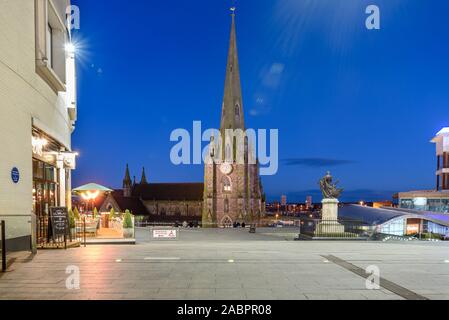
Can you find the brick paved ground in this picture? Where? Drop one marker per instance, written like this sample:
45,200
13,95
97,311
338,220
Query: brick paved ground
229,264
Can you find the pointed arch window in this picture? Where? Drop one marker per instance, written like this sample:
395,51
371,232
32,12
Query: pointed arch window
237,110
226,205
226,181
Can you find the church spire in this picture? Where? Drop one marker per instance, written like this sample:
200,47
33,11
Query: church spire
127,179
127,184
232,110
143,180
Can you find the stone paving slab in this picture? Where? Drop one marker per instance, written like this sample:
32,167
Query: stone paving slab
229,264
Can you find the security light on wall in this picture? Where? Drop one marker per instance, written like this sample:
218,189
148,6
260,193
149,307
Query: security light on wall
70,47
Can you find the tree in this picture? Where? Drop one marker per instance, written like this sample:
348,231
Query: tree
76,213
71,219
127,221
112,214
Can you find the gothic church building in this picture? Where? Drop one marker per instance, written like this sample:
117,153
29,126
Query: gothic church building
232,190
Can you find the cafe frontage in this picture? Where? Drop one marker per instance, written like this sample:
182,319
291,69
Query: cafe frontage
51,177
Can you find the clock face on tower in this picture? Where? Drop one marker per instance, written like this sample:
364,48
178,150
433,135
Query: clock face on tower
226,168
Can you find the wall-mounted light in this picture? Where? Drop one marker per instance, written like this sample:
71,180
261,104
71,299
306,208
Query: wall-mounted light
38,145
70,48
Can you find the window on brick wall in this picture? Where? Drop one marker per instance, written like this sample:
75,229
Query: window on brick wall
226,181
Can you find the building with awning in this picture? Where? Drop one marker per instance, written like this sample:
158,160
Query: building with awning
38,112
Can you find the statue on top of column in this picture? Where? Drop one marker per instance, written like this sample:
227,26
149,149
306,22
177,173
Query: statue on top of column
328,188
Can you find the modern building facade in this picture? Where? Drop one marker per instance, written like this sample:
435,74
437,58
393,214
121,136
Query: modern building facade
232,186
398,222
37,115
436,200
441,141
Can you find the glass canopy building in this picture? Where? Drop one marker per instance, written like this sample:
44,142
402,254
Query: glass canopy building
436,200
399,222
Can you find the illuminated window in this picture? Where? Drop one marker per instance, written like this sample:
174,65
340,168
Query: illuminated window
226,184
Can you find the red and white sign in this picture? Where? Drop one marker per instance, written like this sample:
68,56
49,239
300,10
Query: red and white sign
165,234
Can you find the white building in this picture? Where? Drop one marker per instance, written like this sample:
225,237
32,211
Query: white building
442,146
436,200
37,115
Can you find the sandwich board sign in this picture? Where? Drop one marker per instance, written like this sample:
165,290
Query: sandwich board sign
58,222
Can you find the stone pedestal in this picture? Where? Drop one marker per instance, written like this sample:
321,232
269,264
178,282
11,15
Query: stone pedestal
329,218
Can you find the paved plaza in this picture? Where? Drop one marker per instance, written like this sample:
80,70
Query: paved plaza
233,264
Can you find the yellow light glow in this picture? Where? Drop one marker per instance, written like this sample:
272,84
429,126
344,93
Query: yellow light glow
88,195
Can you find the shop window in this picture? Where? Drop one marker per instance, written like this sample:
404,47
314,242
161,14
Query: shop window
45,195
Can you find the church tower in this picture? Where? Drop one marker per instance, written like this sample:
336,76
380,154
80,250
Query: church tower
232,189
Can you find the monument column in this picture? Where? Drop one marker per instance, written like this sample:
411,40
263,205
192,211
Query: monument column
329,214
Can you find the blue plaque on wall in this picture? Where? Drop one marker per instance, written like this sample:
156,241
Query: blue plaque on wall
15,175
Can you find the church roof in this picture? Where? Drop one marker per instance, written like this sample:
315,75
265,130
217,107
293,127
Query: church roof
169,191
133,204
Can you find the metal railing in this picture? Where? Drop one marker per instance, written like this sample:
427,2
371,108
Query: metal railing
343,229
74,236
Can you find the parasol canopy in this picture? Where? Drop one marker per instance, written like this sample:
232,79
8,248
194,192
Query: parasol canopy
92,187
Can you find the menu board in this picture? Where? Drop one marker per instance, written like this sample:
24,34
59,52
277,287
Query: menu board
59,221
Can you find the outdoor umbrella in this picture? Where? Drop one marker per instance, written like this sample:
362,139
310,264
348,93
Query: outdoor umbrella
91,191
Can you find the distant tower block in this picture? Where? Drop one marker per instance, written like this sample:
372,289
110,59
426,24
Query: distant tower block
283,200
309,202
442,149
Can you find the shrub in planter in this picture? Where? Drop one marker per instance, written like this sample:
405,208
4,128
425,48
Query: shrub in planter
76,213
95,213
72,224
128,226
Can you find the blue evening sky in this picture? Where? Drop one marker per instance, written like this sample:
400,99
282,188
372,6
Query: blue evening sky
361,103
